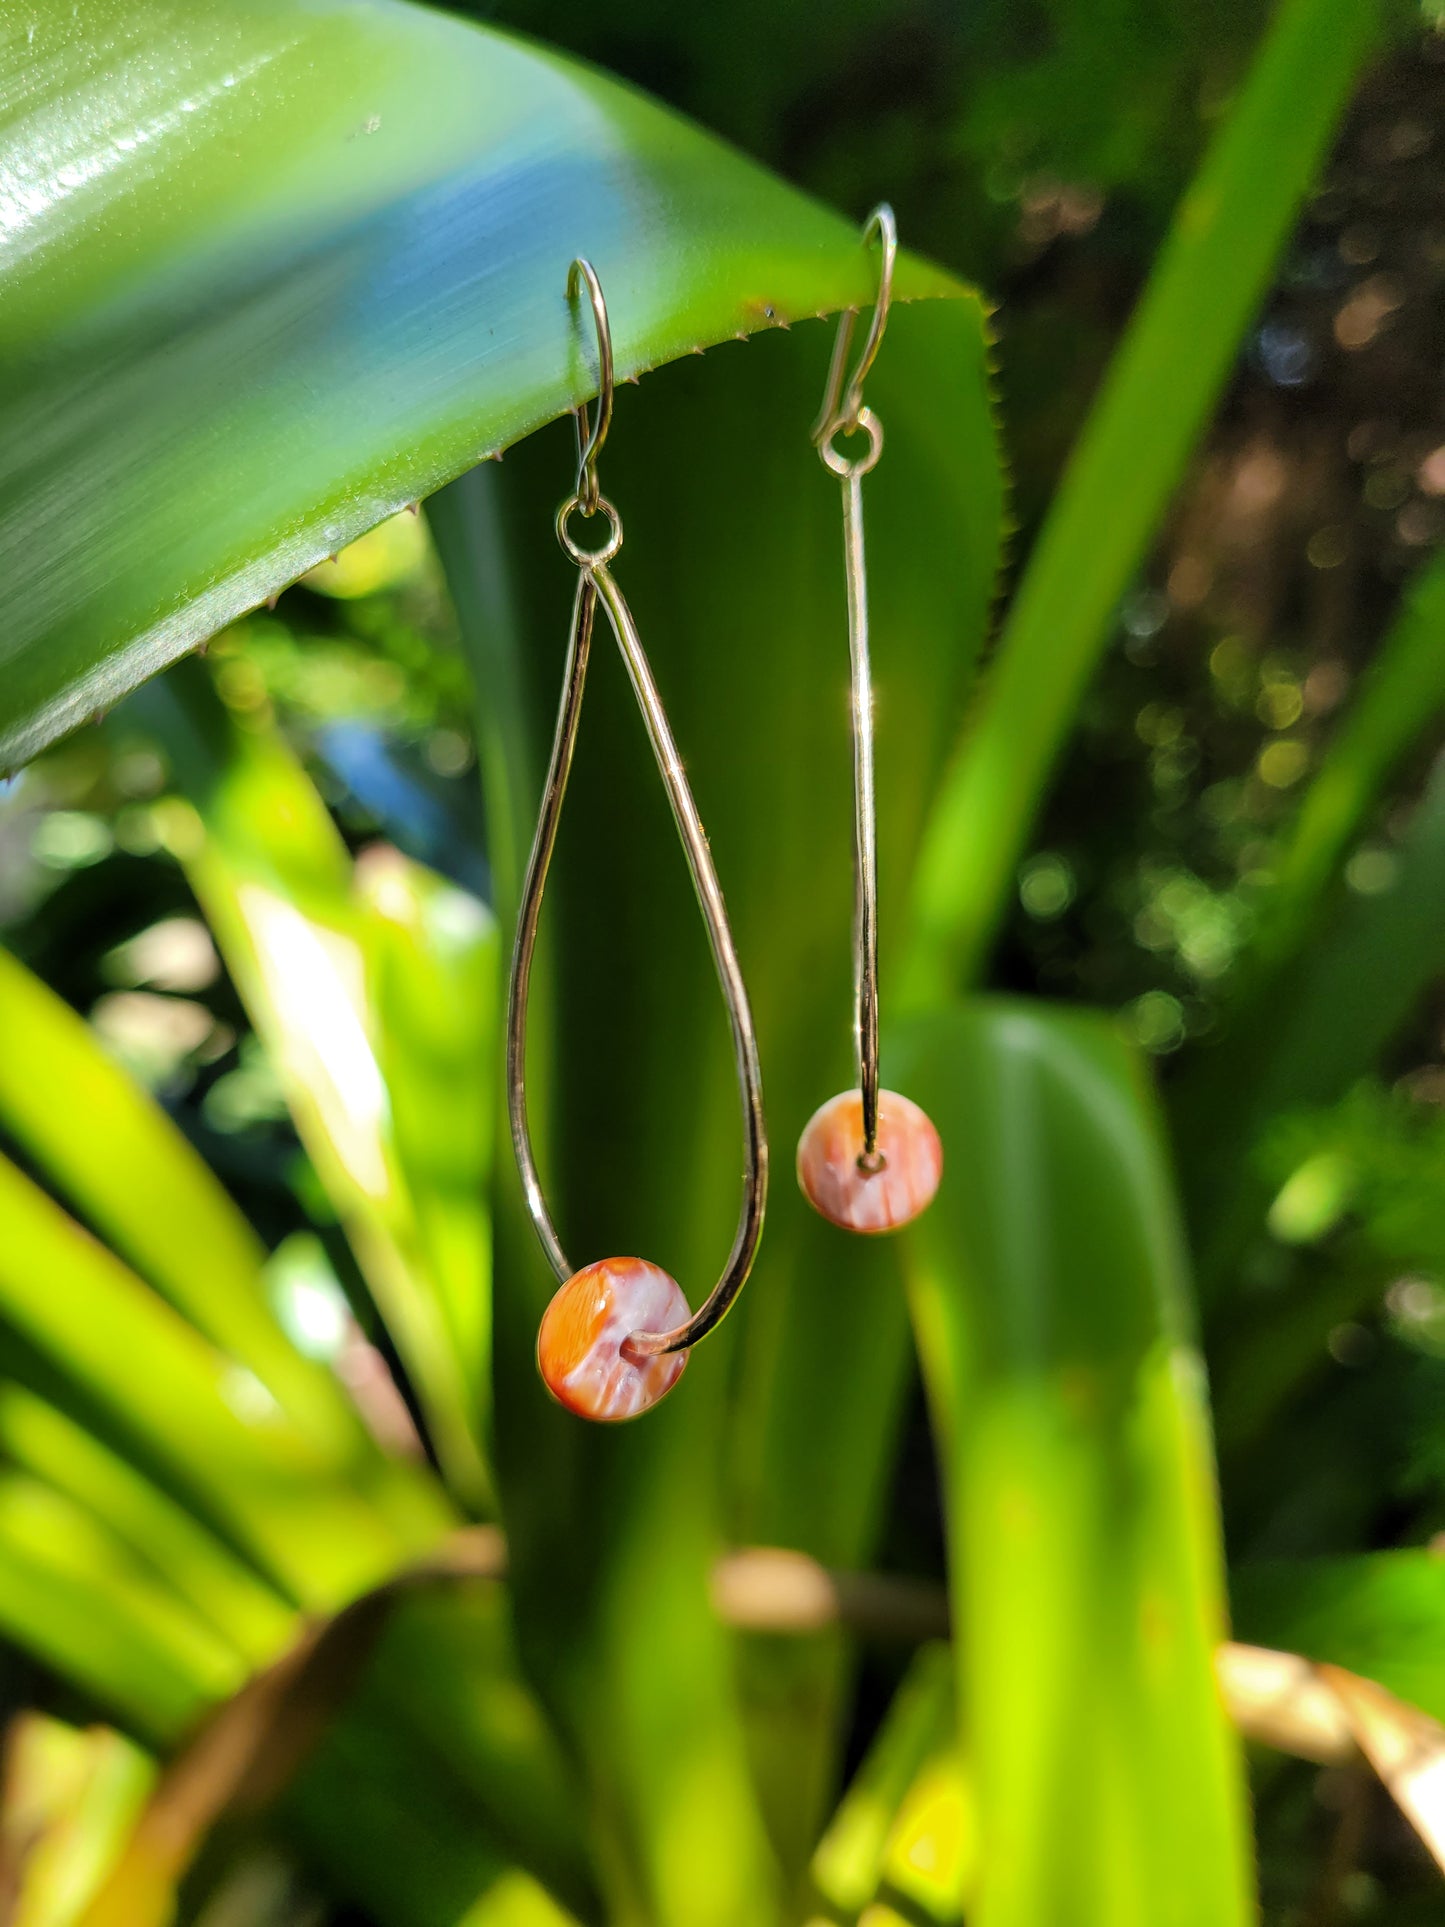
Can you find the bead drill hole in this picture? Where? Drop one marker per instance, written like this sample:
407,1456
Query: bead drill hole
583,1348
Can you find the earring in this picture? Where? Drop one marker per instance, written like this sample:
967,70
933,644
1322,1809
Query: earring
868,1160
615,1338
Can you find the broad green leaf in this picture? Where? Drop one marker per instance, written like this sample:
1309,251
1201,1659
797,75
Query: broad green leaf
1050,1303
1156,398
142,1185
738,589
269,869
224,1591
1379,1615
204,1422
275,270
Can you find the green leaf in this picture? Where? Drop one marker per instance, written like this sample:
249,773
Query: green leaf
274,271
849,1860
274,878
1379,1615
1050,1302
140,1183
224,1591
434,995
445,1677
1156,398
78,1793
71,1594
390,1828
201,1420
515,1900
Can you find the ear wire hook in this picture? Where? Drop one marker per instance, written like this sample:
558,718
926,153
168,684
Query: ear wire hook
843,406
868,1160
843,413
595,582
590,440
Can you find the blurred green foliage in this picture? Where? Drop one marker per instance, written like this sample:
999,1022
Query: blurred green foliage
267,1299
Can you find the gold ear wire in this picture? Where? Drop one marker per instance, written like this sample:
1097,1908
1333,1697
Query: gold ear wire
843,406
868,1160
637,1349
590,440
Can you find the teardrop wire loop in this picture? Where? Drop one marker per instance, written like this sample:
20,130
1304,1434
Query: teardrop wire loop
596,581
843,413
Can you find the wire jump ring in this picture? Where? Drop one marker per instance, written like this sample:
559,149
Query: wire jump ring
588,558
855,467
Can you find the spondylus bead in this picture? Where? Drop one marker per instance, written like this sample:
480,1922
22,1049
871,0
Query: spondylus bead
580,1345
908,1167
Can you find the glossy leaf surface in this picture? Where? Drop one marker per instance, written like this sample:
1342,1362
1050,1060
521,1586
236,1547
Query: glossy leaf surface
273,271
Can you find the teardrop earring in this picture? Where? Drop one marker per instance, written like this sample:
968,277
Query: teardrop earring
868,1160
615,1338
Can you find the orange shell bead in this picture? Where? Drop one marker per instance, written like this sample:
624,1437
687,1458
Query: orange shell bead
858,1200
580,1343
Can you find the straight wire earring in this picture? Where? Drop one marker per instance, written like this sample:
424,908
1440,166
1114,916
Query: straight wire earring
615,1338
868,1160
